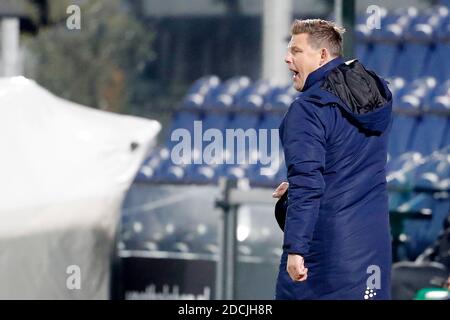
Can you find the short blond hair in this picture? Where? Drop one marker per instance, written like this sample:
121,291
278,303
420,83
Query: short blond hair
322,34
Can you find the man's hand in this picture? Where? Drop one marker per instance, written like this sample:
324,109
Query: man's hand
295,263
296,267
280,190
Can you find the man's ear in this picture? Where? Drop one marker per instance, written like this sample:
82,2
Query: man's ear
324,56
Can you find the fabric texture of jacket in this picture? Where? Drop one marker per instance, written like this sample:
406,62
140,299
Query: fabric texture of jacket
334,138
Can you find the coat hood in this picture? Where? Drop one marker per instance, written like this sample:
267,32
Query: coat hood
360,93
365,96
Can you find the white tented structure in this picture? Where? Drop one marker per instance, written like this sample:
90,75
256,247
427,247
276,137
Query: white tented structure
64,171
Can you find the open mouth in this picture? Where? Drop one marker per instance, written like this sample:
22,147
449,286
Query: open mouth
294,74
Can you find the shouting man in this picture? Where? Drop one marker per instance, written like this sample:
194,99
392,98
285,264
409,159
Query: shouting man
336,230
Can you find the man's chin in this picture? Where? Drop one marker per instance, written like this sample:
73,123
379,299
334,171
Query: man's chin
298,86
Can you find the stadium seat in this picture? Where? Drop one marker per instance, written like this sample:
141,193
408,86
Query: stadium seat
197,93
430,132
420,233
412,59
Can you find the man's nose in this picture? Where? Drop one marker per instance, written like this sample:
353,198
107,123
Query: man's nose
288,58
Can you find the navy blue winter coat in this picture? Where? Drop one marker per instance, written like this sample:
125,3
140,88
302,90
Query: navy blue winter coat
334,137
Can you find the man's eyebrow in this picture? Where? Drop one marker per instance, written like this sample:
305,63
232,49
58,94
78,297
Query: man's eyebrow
293,47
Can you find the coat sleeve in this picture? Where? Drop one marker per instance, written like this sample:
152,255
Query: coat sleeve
303,139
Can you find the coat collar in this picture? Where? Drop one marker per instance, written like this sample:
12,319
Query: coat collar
322,72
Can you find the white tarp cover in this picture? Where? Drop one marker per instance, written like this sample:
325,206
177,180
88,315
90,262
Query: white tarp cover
64,171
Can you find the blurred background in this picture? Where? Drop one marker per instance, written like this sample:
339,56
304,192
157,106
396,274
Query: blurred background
197,230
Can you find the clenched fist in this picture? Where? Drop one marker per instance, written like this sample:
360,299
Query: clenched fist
296,267
280,190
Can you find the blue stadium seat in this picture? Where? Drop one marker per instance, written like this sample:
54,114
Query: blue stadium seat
400,171
383,58
197,93
363,35
412,59
393,23
281,98
443,15
148,170
420,233
268,122
407,118
416,94
168,172
185,119
202,174
203,85
429,133
403,125
439,104
428,24
438,64
384,51
247,123
440,101
254,96
431,174
223,96
431,128
446,138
